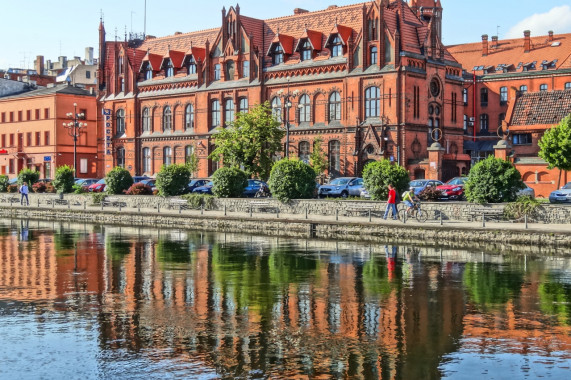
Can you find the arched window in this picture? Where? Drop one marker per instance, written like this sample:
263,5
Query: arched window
215,114
191,66
304,151
503,95
304,109
167,156
336,47
188,152
243,105
277,108
334,157
146,120
278,55
120,121
189,117
334,106
167,119
121,157
372,102
484,97
217,71
149,73
169,70
146,160
484,122
523,89
230,70
373,53
306,50
229,111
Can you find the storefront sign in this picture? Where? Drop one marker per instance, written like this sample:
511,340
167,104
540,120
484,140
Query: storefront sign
107,116
47,158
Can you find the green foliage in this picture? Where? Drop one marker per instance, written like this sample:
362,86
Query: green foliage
78,189
229,182
173,252
96,198
493,180
430,194
4,183
250,142
192,164
172,180
292,179
555,299
118,180
522,206
489,286
555,146
198,200
378,175
64,180
139,189
28,175
318,158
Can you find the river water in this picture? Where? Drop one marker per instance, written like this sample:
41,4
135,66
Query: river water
92,302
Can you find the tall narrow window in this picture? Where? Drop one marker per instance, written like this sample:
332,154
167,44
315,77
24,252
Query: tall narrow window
167,156
246,69
372,102
120,121
336,47
484,97
146,120
121,157
191,66
503,96
229,111
188,152
243,105
334,157
215,114
149,73
306,50
465,123
217,71
278,55
304,109
334,106
304,151
454,105
465,96
277,108
373,55
169,69
484,122
189,117
230,70
146,160
167,119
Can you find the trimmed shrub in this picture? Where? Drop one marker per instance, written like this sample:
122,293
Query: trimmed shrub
39,187
292,179
493,180
430,194
378,175
78,189
139,189
64,180
28,175
199,200
4,182
524,205
96,198
172,180
118,180
229,182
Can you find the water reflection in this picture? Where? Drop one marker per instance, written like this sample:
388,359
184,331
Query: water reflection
142,303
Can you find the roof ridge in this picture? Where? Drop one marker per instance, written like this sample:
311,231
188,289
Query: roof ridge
337,8
182,34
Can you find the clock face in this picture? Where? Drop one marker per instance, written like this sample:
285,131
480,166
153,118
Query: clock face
435,88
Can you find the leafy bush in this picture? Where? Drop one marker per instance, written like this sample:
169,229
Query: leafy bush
28,175
39,187
118,180
172,180
50,188
96,198
430,194
493,180
229,182
64,179
199,200
291,179
4,183
378,175
13,188
524,205
139,189
78,189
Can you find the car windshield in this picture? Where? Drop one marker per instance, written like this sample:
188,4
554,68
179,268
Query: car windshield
457,181
567,187
417,183
340,181
210,183
101,181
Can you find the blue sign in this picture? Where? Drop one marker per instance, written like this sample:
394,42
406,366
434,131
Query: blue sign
47,158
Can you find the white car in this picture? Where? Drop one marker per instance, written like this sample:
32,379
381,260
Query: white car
562,195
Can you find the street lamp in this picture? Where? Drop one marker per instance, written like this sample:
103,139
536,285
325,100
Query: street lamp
287,98
74,129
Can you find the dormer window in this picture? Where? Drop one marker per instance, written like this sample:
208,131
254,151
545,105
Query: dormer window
149,73
217,71
337,47
191,66
306,51
278,55
169,70
373,55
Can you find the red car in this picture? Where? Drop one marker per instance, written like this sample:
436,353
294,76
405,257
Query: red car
97,187
453,189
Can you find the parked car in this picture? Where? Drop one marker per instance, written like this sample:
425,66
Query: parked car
252,188
97,187
365,194
527,192
421,184
149,182
194,183
139,178
453,189
86,182
342,187
561,195
206,189
45,180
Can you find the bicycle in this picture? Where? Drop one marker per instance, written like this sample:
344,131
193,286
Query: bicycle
416,213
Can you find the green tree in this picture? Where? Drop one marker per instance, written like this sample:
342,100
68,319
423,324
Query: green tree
229,182
317,158
493,180
555,147
28,175
118,180
172,179
64,179
490,287
192,164
250,142
292,179
4,182
378,175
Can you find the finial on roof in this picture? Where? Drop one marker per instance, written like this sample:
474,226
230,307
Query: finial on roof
169,47
125,33
278,31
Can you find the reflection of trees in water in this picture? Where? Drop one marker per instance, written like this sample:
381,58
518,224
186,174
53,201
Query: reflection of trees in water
555,298
489,286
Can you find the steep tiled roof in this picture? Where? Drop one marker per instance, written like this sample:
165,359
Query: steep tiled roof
154,59
511,52
180,42
540,108
315,39
176,57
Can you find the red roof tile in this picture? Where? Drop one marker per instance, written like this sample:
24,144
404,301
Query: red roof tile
176,57
544,107
315,39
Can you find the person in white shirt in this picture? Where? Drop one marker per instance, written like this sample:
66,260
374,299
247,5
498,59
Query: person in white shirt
24,191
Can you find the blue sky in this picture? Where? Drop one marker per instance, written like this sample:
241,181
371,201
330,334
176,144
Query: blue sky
37,27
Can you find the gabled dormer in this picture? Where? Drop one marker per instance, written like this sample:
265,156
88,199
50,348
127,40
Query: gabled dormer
280,48
338,39
150,65
172,62
309,44
192,59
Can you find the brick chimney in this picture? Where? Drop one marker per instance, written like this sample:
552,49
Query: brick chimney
484,45
494,42
550,35
526,41
298,11
40,64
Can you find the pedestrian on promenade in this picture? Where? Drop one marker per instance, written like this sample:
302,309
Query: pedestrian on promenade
24,191
391,203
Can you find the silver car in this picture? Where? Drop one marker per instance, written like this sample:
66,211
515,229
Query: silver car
562,195
342,187
527,192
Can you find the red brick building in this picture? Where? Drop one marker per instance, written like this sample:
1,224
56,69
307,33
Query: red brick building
373,79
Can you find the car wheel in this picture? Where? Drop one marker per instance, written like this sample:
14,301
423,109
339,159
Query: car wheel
344,194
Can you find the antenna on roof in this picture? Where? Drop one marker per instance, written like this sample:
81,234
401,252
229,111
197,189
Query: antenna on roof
145,26
498,32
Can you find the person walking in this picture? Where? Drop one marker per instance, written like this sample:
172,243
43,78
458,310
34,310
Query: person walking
391,203
24,191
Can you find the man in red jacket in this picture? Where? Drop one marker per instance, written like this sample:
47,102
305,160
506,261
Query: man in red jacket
391,203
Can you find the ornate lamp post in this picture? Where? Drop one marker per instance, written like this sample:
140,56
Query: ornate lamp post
75,129
287,98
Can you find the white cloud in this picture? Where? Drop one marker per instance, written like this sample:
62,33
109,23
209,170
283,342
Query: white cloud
557,19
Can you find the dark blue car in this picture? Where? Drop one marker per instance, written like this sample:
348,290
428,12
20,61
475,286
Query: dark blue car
194,184
206,189
253,186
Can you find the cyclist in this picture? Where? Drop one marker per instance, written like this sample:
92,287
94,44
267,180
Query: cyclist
409,198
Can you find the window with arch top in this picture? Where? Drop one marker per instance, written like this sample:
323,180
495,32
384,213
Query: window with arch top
304,109
121,157
215,113
337,47
167,156
189,117
169,72
306,50
277,108
167,119
120,119
146,160
191,66
373,53
278,54
146,120
243,105
304,151
334,106
372,102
